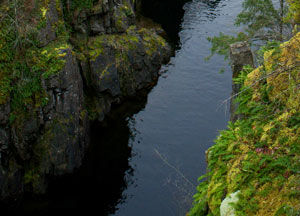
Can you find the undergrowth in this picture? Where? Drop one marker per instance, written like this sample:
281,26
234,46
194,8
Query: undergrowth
23,64
258,155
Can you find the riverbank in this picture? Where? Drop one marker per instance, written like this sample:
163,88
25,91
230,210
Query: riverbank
253,168
181,110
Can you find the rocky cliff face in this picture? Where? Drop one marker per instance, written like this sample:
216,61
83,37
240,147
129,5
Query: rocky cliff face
63,64
168,13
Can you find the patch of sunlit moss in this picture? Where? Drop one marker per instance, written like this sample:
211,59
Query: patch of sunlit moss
280,85
293,102
294,11
253,76
284,67
234,172
272,196
50,59
215,194
119,42
265,165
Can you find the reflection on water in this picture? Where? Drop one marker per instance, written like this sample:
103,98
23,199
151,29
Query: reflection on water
107,166
146,157
168,13
181,118
99,184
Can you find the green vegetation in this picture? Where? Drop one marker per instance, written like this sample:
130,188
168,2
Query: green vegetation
36,39
293,15
69,7
123,46
120,42
75,7
23,65
259,155
125,42
262,22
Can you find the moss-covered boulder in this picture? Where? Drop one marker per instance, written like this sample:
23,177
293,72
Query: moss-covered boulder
116,66
124,63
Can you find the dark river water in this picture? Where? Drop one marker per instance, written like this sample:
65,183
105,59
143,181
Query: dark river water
181,117
146,158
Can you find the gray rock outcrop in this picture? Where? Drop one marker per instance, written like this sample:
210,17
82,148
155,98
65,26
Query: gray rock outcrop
86,58
240,55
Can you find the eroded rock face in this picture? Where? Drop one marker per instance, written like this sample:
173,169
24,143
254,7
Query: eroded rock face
104,17
168,13
47,33
65,135
122,64
240,55
10,172
79,75
4,130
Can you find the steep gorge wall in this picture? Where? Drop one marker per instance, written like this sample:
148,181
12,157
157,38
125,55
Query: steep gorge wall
168,13
62,65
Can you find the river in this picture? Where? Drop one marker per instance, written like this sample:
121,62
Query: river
182,116
146,158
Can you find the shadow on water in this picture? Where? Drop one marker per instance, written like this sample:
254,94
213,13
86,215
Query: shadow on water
107,172
169,13
99,184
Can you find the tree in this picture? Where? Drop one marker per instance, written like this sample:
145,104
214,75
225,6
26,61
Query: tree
263,23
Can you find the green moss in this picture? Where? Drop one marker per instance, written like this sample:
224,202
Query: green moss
259,155
96,47
31,177
121,15
119,42
7,56
49,61
27,93
127,41
151,41
80,5
75,7
123,46
83,114
23,65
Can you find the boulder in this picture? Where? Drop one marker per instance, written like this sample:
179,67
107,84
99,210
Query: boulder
226,208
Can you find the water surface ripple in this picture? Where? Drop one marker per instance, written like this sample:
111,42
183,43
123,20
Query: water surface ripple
181,119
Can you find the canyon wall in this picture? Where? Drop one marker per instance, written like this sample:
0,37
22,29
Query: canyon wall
63,64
